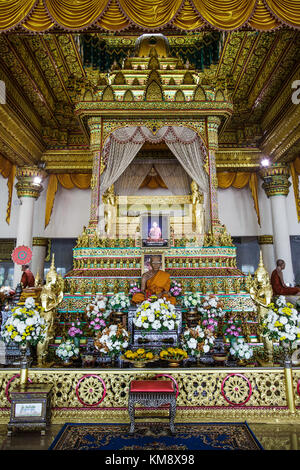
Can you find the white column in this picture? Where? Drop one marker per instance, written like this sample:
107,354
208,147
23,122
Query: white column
267,248
39,249
28,189
282,245
276,184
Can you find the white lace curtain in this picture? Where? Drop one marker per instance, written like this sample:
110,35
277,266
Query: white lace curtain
177,180
132,178
124,144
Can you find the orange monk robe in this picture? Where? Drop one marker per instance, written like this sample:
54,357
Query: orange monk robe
278,288
27,279
159,283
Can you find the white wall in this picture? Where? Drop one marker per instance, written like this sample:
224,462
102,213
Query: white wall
71,212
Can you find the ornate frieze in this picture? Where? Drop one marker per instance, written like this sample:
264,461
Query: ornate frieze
265,239
276,179
29,181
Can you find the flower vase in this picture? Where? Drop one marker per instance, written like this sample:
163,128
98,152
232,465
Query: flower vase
192,317
76,341
220,329
114,361
23,364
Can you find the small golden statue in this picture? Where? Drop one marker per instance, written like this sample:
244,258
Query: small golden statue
51,296
209,239
225,238
83,239
197,210
110,211
261,292
38,281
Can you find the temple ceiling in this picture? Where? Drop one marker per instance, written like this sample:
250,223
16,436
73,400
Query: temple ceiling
39,72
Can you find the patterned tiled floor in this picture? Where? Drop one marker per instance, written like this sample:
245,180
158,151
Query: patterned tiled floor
272,437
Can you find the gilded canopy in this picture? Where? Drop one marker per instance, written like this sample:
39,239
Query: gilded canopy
117,15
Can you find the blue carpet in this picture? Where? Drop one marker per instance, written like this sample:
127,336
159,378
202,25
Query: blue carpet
156,436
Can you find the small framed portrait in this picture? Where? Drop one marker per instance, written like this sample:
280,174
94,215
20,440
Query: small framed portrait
155,230
146,261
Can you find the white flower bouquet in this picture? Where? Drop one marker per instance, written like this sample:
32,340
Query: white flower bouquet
240,349
281,323
25,324
156,314
198,340
211,307
112,340
118,302
67,350
96,306
192,301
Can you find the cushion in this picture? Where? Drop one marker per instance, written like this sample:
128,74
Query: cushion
165,386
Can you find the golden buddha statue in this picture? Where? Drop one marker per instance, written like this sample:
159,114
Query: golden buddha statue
51,296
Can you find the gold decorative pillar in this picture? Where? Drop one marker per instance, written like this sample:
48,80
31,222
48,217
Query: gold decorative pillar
267,248
96,146
213,123
289,387
276,185
39,250
29,187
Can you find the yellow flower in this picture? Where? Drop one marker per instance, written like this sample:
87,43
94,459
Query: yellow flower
140,351
149,355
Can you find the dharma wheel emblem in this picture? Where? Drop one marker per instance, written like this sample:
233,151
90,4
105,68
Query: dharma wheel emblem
90,390
236,389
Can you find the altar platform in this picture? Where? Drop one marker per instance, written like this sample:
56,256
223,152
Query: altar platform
254,394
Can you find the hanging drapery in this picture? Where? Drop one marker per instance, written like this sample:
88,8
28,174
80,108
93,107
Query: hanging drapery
295,172
239,180
132,178
153,180
148,15
175,178
184,142
67,181
8,170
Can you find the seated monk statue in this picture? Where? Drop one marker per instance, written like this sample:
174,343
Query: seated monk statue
154,282
278,285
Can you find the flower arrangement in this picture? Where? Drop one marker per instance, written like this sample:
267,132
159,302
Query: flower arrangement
197,340
176,289
6,293
139,355
211,307
112,340
192,301
173,354
281,323
232,331
98,323
75,330
240,349
67,350
25,324
156,314
210,324
118,302
134,289
98,304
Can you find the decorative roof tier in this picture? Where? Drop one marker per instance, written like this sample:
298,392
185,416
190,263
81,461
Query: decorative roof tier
152,80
